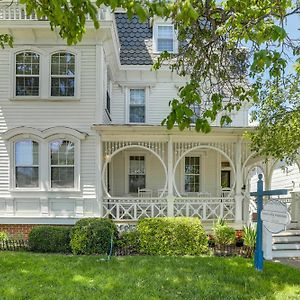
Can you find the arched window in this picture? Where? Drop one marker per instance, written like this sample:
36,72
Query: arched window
26,164
63,74
27,74
62,163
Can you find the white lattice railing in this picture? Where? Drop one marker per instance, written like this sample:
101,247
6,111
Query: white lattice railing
205,208
132,209
15,11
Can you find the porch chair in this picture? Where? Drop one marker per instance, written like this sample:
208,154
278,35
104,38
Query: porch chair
144,193
162,192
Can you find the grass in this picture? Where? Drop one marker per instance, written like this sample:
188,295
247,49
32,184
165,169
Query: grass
53,276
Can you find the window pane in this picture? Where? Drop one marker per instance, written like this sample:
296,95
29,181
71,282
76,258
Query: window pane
137,114
164,44
137,96
62,153
165,32
26,153
62,177
27,63
62,86
63,63
27,177
27,86
135,182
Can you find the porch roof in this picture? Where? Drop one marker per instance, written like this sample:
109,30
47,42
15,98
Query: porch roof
158,130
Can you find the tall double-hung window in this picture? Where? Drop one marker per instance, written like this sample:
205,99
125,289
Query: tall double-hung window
63,74
26,164
62,154
192,174
137,106
27,74
165,38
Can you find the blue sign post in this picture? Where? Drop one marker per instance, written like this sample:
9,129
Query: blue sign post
259,256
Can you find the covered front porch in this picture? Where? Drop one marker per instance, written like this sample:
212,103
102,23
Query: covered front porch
148,171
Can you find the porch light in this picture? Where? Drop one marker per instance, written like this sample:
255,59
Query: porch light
107,158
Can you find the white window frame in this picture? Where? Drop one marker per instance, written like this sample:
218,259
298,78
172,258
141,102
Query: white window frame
76,162
127,103
155,37
201,155
13,76
127,165
44,74
76,77
12,156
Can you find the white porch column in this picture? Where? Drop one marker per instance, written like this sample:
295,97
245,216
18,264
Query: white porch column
170,197
239,182
99,164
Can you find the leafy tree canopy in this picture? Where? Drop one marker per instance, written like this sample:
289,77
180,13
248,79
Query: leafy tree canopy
233,53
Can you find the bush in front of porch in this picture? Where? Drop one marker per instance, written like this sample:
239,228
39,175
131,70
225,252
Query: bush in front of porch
172,236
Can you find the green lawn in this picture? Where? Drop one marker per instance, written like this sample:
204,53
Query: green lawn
50,276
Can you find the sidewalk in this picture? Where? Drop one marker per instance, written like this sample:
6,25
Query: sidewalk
293,261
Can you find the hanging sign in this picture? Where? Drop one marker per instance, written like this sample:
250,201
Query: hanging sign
275,216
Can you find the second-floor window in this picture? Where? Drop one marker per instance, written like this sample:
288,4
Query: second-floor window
27,74
63,74
137,107
62,164
26,164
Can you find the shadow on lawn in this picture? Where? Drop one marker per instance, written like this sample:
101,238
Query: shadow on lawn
42,276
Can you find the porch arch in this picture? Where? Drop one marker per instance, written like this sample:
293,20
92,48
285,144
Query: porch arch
203,147
108,159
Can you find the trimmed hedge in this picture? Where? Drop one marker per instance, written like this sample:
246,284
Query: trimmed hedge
92,236
128,243
172,236
50,239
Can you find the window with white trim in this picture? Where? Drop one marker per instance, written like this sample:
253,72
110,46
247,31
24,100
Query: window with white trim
137,174
164,38
26,164
192,174
27,74
137,106
63,74
62,160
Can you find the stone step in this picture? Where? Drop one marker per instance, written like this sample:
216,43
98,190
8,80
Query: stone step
286,246
285,253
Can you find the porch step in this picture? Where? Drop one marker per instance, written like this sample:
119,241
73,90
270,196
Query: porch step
286,253
286,244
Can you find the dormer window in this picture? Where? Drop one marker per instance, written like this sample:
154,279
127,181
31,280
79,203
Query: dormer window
164,38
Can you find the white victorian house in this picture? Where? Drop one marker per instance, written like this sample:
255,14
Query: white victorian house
81,135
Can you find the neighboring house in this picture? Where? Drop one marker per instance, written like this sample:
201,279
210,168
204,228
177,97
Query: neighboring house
81,135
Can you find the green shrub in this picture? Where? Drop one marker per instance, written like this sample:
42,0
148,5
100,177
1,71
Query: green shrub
129,243
92,236
249,236
223,234
172,236
50,239
3,236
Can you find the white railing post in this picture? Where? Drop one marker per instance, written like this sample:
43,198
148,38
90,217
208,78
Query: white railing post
295,207
170,198
239,182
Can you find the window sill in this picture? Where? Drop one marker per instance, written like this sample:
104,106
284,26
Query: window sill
49,99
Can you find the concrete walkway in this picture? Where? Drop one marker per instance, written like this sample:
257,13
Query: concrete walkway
292,261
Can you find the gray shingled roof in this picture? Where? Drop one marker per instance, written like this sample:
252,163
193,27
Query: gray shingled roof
135,40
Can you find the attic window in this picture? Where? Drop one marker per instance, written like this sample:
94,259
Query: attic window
164,38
